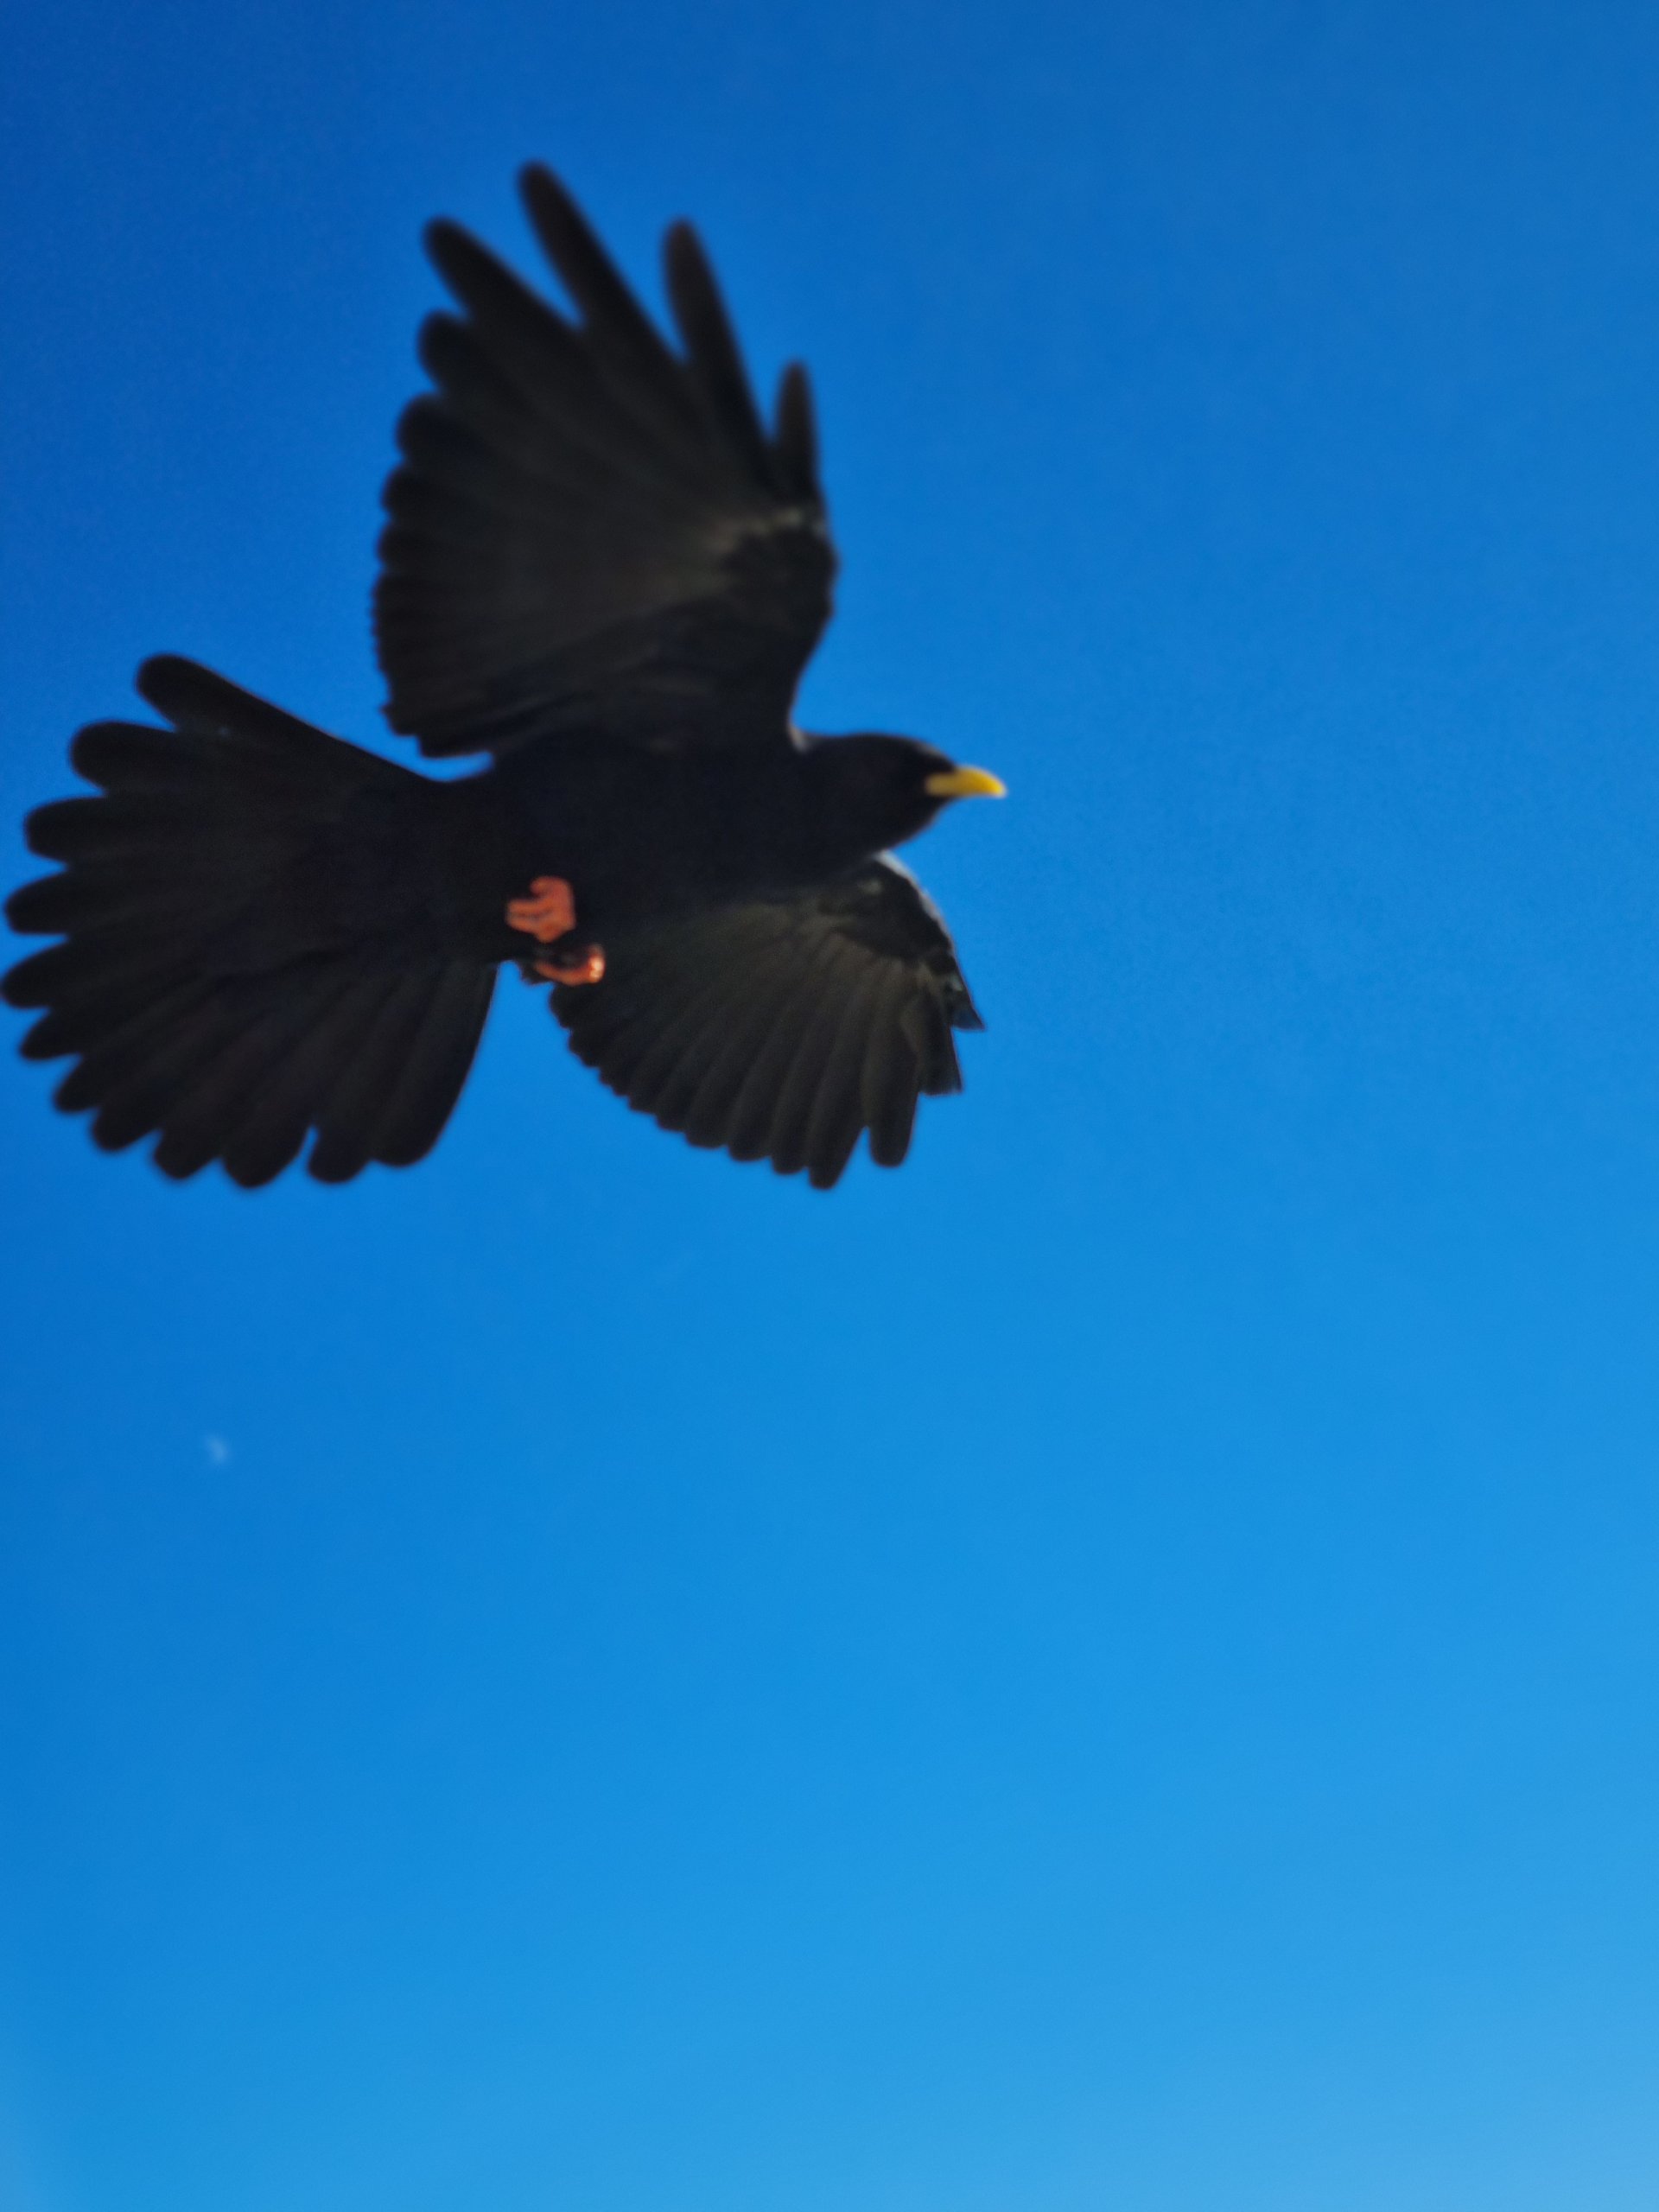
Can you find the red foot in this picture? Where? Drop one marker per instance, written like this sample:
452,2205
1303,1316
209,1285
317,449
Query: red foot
587,969
549,912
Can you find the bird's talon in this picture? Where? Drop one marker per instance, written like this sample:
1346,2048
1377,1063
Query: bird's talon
588,967
549,912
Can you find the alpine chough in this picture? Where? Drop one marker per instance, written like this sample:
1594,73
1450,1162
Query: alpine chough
603,569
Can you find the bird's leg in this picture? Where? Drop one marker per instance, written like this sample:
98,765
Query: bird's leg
548,914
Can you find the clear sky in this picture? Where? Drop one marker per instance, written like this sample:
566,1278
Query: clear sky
1119,1666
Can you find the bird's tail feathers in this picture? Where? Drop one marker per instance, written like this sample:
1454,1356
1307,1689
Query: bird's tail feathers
254,941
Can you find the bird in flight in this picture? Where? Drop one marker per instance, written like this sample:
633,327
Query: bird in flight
602,568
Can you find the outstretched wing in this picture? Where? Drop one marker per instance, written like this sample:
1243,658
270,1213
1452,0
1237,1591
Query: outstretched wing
783,1030
588,531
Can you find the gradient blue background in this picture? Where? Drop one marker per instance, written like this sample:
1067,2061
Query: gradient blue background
1117,1666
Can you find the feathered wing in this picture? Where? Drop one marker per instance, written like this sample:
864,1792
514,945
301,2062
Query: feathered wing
783,1030
589,531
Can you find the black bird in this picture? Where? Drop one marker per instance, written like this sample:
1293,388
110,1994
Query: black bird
603,569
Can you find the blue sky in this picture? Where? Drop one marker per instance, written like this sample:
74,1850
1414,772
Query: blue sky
1118,1666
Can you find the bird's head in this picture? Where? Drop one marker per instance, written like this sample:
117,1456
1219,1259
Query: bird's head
887,789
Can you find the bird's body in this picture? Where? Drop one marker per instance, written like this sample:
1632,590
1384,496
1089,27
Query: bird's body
639,835
601,571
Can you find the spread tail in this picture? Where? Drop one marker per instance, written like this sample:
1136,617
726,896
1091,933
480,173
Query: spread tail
259,941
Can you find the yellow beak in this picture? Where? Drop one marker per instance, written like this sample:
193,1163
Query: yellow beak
964,783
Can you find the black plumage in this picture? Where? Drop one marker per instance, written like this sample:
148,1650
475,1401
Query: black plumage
600,567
